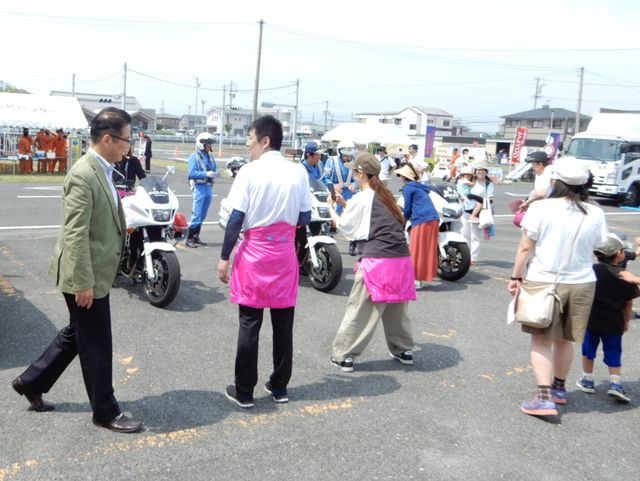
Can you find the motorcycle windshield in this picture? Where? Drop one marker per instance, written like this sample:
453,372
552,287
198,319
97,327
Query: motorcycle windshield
157,189
318,189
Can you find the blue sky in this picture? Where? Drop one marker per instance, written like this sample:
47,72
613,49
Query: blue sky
477,60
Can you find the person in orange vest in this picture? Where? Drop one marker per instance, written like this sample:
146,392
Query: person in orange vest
61,152
24,152
44,142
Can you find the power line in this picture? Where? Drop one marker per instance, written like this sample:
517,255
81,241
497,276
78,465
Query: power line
179,84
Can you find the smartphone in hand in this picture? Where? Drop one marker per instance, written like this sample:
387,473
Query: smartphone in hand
332,190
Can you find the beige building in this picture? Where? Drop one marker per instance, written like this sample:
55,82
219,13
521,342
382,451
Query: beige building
540,122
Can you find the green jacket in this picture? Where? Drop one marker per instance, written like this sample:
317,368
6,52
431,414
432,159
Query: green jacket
90,245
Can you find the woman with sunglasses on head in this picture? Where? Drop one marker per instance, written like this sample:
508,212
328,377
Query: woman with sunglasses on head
384,279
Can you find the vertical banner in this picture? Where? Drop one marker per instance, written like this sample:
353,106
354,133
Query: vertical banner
518,143
75,150
551,148
428,143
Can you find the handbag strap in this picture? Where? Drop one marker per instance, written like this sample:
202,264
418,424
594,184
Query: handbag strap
569,251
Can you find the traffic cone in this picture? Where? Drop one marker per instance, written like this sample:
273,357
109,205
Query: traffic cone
176,152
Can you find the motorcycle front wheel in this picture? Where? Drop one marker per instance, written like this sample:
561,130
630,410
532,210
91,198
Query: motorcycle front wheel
163,288
456,263
329,271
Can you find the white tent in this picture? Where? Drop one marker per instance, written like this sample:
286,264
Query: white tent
363,133
40,111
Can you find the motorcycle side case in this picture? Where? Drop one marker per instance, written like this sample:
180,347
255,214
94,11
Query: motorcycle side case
157,246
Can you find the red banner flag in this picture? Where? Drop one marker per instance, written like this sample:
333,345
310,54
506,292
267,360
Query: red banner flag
518,143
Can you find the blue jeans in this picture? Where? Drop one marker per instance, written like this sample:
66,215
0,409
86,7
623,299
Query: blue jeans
202,195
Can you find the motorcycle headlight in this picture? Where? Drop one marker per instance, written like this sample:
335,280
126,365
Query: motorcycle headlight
323,212
161,215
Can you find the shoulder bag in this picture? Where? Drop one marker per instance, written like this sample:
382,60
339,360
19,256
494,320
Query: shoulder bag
536,306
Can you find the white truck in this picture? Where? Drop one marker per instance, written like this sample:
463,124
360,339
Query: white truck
611,148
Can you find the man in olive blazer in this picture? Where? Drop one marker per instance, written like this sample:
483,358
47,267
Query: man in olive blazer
84,265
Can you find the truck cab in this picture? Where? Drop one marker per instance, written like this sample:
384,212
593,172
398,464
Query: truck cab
611,148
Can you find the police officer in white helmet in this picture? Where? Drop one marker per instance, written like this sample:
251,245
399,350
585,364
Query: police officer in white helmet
202,172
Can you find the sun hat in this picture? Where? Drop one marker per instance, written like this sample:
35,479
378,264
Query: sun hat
408,172
612,246
570,171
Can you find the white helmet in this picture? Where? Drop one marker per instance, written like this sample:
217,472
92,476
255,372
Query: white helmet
203,139
346,147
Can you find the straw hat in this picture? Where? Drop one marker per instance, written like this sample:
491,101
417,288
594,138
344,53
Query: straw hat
408,172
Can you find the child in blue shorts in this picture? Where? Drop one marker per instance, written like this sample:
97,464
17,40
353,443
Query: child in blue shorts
609,318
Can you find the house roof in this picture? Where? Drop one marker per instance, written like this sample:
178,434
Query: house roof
395,112
167,116
97,102
544,113
228,111
433,111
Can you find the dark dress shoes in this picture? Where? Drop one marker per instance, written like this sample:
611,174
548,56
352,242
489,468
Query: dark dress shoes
36,401
121,424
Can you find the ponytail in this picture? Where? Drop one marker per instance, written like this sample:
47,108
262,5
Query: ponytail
386,197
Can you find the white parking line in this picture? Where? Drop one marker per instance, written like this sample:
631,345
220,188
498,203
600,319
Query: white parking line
39,196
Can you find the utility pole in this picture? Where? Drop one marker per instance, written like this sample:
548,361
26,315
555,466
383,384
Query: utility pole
231,95
577,127
326,112
73,85
124,88
195,106
254,114
204,117
224,98
538,93
294,140
162,108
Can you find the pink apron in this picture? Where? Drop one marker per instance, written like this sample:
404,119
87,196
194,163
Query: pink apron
389,279
265,268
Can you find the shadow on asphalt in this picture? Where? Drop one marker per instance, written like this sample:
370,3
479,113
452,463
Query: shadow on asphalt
495,263
345,385
583,403
193,296
25,331
427,357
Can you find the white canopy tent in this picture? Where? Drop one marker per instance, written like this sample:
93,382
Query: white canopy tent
363,133
41,111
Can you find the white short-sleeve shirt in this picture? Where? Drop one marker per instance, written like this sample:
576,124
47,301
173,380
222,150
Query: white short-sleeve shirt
552,223
355,221
270,189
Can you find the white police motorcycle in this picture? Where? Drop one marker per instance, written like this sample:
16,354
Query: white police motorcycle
149,255
323,258
454,256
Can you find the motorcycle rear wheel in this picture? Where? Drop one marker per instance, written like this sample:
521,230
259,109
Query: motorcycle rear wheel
456,265
329,272
164,289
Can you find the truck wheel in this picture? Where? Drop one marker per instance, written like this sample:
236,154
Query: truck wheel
632,197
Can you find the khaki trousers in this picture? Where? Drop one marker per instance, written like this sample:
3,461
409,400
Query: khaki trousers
361,319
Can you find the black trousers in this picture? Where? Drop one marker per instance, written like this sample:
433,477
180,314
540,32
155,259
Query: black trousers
247,355
88,335
147,163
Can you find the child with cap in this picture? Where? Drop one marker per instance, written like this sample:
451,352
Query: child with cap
609,318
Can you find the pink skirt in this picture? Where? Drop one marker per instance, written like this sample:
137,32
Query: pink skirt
265,268
388,279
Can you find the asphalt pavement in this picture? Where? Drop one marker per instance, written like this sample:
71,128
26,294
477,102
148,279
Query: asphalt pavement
454,415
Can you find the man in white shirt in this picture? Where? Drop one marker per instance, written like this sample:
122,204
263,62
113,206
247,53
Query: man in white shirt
417,160
385,163
269,197
542,184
